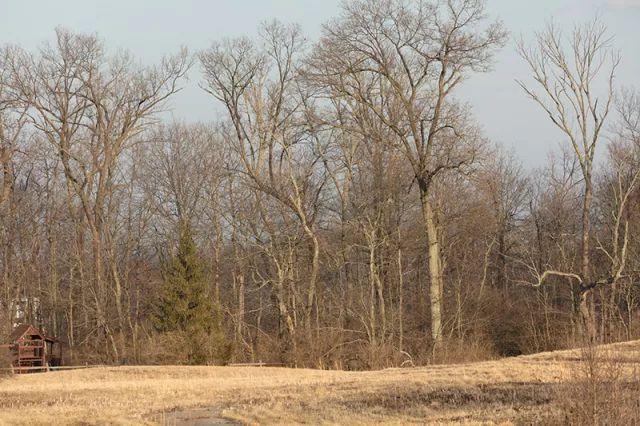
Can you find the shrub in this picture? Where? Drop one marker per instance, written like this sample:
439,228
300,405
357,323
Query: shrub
5,354
183,348
5,363
603,390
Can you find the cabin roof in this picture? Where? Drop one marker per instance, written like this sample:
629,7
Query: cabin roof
25,329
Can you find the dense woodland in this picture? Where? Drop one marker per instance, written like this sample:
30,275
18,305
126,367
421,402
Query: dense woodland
343,209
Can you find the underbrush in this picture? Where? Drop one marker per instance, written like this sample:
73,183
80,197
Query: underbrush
5,364
5,355
604,390
403,398
457,351
181,348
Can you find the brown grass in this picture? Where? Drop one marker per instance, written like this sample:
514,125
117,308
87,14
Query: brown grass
522,390
604,389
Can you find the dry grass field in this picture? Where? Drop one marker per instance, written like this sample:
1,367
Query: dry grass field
514,390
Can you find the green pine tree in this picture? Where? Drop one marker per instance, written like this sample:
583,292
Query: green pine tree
186,308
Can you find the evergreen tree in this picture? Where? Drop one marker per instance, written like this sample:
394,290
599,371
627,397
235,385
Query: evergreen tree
185,307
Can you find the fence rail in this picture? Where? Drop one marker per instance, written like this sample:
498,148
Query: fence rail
77,367
50,368
256,364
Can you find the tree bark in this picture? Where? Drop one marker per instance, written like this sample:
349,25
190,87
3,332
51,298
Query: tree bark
585,307
435,269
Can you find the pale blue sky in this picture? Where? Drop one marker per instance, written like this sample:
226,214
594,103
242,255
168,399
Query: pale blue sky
152,28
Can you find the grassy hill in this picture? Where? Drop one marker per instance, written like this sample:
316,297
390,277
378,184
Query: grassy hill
537,388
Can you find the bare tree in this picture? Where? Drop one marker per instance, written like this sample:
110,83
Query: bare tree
259,89
619,184
12,120
178,165
400,62
91,107
502,181
566,75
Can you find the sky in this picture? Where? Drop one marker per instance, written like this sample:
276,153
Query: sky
151,29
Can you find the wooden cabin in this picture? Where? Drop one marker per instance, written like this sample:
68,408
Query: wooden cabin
30,350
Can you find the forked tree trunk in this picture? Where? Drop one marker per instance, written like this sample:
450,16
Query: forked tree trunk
287,330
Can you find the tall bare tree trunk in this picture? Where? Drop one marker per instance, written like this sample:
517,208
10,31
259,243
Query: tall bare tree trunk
400,299
240,297
313,278
435,269
586,308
